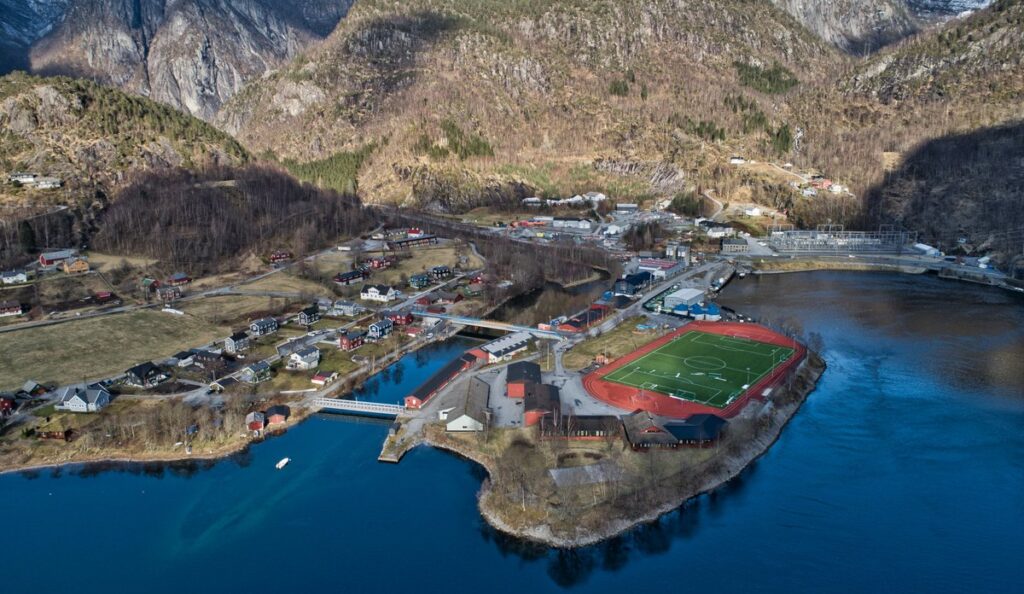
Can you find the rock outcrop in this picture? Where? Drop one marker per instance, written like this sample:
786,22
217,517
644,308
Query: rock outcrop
193,55
856,26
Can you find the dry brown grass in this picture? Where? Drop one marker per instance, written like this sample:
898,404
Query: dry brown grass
104,262
624,339
98,347
285,282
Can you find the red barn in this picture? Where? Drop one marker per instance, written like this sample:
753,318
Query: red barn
280,256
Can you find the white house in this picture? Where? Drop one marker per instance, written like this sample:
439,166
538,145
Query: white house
303,359
752,212
345,308
508,346
13,277
49,183
381,293
22,177
737,161
81,398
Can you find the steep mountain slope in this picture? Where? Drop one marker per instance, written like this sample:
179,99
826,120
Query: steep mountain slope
93,135
975,59
960,187
191,54
458,94
857,26
95,139
951,103
22,23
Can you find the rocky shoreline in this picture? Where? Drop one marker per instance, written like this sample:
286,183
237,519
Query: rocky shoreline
809,371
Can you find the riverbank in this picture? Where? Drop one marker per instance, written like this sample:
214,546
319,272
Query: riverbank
786,266
19,453
520,499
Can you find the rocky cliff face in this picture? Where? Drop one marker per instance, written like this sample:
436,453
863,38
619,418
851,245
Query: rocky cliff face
191,54
22,23
856,26
946,7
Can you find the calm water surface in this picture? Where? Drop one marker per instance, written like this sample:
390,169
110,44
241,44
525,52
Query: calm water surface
903,472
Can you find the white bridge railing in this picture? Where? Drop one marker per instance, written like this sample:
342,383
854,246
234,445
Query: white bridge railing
378,408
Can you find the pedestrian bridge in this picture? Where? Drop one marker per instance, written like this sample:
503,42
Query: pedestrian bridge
479,323
358,407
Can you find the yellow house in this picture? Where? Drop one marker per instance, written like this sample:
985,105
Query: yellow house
75,265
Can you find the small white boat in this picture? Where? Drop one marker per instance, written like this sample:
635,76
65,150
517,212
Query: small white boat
284,462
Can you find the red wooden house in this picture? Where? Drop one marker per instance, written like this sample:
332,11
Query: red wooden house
400,318
351,341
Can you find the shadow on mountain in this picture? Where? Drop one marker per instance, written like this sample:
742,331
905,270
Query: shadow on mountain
960,187
390,45
12,57
866,45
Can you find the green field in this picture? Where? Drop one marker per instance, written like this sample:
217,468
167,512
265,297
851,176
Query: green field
706,368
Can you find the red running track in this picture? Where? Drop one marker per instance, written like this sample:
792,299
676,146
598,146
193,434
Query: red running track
630,399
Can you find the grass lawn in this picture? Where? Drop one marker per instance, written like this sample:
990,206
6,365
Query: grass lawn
45,411
624,339
286,380
97,347
485,217
287,283
333,262
707,368
338,360
231,310
61,420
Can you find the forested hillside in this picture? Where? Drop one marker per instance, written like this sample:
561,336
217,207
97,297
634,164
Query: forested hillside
464,98
207,221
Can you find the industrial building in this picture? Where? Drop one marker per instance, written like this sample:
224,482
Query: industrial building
439,380
661,268
735,245
507,346
471,413
833,238
520,376
685,296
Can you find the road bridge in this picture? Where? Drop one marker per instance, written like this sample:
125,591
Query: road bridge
479,323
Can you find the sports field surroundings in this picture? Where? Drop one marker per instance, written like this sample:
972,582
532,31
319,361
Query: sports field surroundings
708,369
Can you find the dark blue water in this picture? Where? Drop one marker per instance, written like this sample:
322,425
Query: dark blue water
903,472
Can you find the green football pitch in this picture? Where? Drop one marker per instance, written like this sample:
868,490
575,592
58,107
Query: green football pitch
706,368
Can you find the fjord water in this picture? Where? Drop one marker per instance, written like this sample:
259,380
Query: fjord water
903,472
